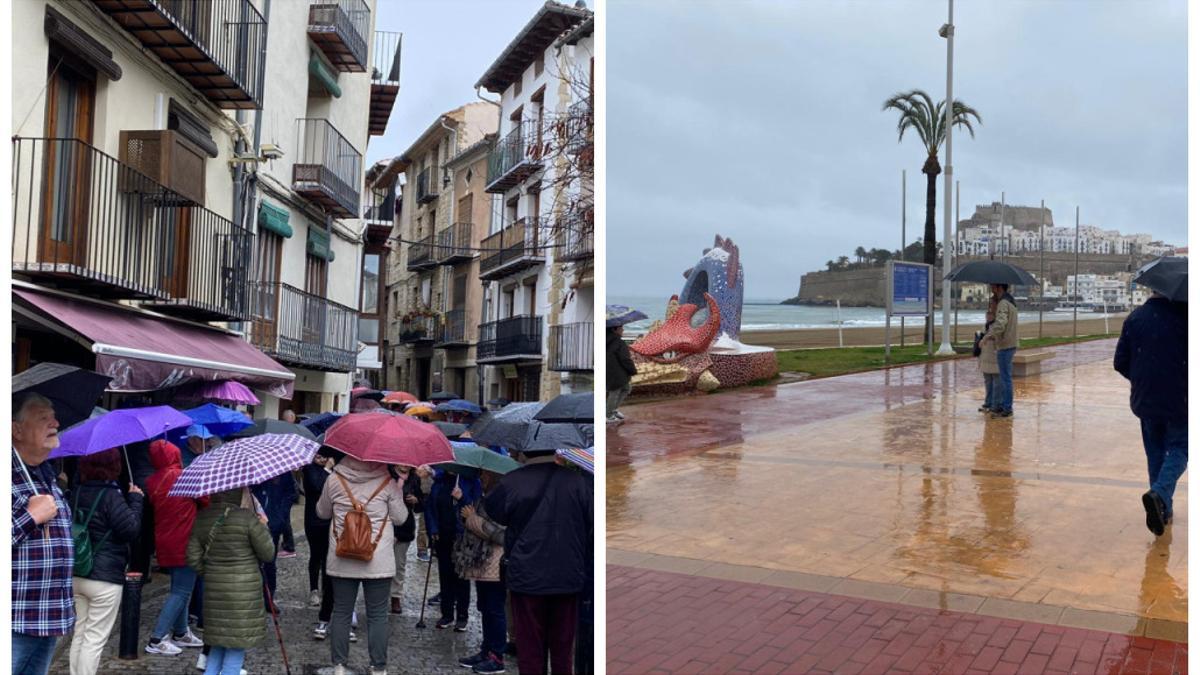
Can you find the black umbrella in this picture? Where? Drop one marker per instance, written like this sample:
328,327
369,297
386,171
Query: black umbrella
506,427
73,391
1167,276
440,396
568,408
992,272
552,436
319,424
261,427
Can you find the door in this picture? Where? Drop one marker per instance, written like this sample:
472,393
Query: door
174,247
316,271
70,101
265,301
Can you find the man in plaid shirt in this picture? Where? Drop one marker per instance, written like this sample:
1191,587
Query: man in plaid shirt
43,555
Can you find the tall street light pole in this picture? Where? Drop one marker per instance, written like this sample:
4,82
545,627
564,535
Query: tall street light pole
947,31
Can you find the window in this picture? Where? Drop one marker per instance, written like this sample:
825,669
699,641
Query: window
539,66
316,271
370,284
267,257
517,85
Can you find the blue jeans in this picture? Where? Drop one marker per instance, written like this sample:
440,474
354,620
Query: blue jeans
225,661
1002,390
489,599
31,654
989,389
173,616
1166,456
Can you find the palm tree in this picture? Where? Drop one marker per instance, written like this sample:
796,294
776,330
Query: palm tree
860,253
917,112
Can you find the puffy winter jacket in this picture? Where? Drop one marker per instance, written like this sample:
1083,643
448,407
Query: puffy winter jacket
1152,354
234,616
173,516
117,516
363,478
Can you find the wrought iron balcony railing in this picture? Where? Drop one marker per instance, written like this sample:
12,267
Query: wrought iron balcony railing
577,127
574,236
515,248
515,338
454,329
328,170
340,29
571,347
385,79
516,156
420,254
427,188
420,329
303,329
454,244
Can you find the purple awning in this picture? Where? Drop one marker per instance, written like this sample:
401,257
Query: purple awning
143,353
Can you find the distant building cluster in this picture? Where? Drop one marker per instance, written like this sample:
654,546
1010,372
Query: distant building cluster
1020,233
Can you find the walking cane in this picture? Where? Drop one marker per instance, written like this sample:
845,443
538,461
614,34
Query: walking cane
425,595
278,633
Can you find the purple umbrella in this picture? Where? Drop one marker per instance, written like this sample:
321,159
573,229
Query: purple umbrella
118,428
228,390
242,462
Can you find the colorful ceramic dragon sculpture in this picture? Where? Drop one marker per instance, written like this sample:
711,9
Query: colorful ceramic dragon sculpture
696,347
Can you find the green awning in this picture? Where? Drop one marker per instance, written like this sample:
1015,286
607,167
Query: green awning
274,218
324,76
318,244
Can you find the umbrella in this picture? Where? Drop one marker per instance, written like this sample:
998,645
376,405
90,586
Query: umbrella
117,428
391,439
220,421
619,315
440,396
73,391
227,390
543,436
365,392
96,412
459,405
584,458
363,404
319,424
419,409
1167,276
506,427
471,456
568,408
498,402
276,427
451,429
245,461
991,272
399,397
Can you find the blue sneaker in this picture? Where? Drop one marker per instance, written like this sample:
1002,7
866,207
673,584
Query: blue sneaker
472,661
492,664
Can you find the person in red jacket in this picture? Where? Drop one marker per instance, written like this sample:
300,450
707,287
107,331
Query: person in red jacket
172,528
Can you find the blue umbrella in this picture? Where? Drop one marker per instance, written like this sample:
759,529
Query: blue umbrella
619,315
220,421
459,405
117,428
319,424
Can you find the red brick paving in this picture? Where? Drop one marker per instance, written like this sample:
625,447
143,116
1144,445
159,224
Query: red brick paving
660,622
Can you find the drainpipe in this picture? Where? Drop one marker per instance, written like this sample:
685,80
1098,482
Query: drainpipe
485,100
245,183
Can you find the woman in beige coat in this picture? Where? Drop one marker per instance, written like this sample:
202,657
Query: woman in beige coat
385,509
988,365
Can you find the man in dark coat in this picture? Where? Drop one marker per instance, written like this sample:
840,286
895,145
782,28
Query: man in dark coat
547,510
619,369
276,497
1152,355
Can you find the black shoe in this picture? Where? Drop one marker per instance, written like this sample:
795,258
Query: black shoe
435,600
444,623
510,649
461,626
1000,414
1156,512
472,661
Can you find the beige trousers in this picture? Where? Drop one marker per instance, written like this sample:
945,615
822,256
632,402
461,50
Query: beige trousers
400,548
96,607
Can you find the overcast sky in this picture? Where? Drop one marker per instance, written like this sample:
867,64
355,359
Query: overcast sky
447,47
762,121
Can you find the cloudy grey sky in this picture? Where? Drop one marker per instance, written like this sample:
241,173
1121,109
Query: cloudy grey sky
447,46
762,121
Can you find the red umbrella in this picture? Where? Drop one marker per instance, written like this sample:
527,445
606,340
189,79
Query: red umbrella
390,439
399,397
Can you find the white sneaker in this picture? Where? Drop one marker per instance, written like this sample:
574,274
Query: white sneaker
353,637
321,630
188,639
618,414
314,599
354,619
164,647
202,662
340,670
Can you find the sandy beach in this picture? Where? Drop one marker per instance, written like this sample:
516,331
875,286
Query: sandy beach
806,338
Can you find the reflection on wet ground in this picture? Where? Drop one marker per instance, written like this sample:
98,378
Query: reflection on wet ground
894,479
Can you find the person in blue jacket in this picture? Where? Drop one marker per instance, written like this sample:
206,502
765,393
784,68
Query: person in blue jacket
1152,355
443,520
276,497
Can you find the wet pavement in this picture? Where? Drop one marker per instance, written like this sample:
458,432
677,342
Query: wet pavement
891,487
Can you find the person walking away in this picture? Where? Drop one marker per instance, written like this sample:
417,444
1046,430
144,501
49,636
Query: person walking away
226,547
547,510
369,486
172,527
287,544
1152,354
477,558
276,497
404,534
988,363
1003,336
113,522
43,553
619,371
450,492
316,530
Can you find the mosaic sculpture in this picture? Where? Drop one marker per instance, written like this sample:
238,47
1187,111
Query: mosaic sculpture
696,347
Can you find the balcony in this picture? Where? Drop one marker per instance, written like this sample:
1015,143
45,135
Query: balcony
515,339
576,129
574,236
515,157
417,329
572,347
379,212
303,329
454,330
454,244
339,29
328,170
86,222
511,250
218,46
420,255
427,188
385,80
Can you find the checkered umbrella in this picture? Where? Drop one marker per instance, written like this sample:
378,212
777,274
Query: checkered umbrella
242,462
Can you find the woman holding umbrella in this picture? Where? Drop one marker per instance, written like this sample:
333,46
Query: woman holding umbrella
619,364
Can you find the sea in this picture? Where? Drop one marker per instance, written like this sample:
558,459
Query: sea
768,314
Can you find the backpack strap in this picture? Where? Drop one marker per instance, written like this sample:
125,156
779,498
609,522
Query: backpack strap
363,507
212,532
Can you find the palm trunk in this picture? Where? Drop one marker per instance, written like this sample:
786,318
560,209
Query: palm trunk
931,170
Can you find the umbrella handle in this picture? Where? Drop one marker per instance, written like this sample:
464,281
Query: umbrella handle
25,471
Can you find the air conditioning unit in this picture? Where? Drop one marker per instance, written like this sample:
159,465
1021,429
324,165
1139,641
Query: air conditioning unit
167,158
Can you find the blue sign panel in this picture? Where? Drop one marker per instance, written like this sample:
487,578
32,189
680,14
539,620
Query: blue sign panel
909,286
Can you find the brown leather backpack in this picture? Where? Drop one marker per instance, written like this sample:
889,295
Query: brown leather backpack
355,541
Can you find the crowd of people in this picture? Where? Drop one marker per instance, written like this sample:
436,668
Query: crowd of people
522,539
